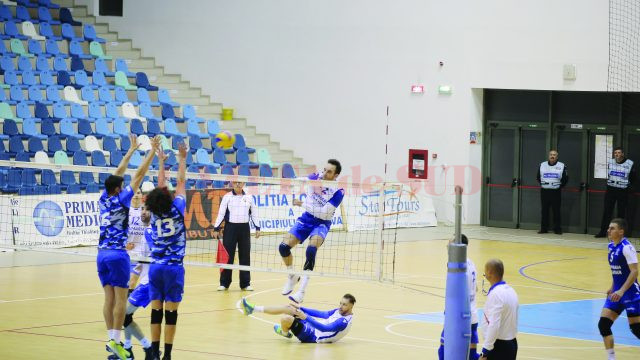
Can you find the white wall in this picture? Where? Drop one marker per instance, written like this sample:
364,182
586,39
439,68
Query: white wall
318,75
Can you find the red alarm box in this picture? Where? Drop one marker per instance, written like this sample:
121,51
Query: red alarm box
418,163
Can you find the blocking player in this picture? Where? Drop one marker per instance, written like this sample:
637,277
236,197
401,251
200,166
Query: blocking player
309,325
135,243
624,293
113,261
473,289
320,205
166,273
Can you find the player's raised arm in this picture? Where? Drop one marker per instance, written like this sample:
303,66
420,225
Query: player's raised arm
182,169
144,167
161,158
125,159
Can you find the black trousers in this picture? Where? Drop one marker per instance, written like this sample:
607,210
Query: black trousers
240,235
614,197
550,199
504,350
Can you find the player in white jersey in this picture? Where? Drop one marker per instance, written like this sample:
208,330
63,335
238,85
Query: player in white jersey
320,205
136,237
309,325
473,289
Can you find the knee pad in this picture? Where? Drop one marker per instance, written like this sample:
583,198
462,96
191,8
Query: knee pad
156,316
170,317
635,329
285,250
311,258
604,325
128,319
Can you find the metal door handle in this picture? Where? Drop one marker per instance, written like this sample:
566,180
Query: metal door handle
514,182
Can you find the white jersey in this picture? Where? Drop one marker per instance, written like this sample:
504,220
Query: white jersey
136,234
473,289
322,202
144,273
332,336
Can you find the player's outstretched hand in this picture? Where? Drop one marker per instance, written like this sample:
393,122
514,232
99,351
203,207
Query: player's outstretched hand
297,202
134,142
300,315
160,154
182,150
156,143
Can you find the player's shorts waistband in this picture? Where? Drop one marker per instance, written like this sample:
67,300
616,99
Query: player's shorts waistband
113,250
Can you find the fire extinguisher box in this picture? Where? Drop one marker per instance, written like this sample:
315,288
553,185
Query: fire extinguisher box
418,163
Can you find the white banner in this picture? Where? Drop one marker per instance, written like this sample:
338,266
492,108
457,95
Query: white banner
402,209
6,238
56,220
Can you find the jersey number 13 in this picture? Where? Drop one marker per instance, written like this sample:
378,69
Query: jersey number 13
165,227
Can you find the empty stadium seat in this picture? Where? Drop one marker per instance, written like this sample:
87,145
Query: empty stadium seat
48,128
54,145
103,130
120,128
287,171
44,15
71,95
263,157
122,81
84,127
34,145
129,111
121,65
168,113
220,158
95,49
67,129
67,18
30,130
171,129
194,129
164,97
136,127
41,157
51,46
242,158
101,65
143,97
265,170
97,158
11,31
45,30
75,49
142,81
22,14
89,33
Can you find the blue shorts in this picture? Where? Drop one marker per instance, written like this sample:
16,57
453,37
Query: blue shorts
166,282
140,296
308,332
113,267
307,226
133,268
632,307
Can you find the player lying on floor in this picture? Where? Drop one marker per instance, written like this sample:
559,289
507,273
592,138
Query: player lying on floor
309,325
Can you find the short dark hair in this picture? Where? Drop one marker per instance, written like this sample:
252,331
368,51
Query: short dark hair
464,239
159,201
336,163
112,183
622,224
351,298
497,266
618,148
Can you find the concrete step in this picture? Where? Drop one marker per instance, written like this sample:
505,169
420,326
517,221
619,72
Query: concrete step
109,37
185,93
122,45
142,63
167,79
131,54
171,85
155,71
85,19
191,100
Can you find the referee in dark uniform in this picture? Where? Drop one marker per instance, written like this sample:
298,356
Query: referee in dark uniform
237,209
620,179
552,176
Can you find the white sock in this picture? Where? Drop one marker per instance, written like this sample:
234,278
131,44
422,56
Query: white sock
116,335
611,354
127,343
109,334
303,283
290,267
258,309
145,343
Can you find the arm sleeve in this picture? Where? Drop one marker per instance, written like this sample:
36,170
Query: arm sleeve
492,315
326,212
338,325
126,195
632,175
318,313
538,175
630,254
148,236
565,177
221,211
253,212
180,203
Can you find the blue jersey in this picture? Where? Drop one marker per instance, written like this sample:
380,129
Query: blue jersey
114,219
168,234
620,256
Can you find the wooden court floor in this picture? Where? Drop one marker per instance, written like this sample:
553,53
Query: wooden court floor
51,309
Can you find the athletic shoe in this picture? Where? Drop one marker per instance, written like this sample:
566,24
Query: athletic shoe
117,349
297,297
131,357
166,357
290,284
247,307
222,288
278,330
248,288
148,353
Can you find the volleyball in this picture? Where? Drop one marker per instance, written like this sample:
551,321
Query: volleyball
225,139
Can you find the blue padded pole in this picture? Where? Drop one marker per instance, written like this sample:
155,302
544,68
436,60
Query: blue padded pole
457,318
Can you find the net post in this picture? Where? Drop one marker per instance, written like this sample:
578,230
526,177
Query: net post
458,216
380,246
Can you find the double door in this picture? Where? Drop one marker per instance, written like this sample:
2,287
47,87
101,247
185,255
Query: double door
513,157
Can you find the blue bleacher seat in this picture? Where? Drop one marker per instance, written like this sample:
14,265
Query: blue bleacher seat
102,130
22,14
47,80
143,97
242,158
121,95
76,64
99,80
42,63
265,170
10,128
98,159
241,144
5,13
15,145
153,127
14,181
115,158
146,111
60,111
53,144
89,33
23,156
80,158
51,47
67,130
227,170
4,51
77,111
220,158
120,128
29,79
84,127
245,170
74,189
48,4
41,111
194,129
104,94
45,16
47,31
136,127
6,64
29,129
189,112
29,178
35,94
16,95
67,18
135,161
95,108
168,113
111,111
287,171
67,178
171,129
164,97
54,189
26,3
60,64
73,145
82,80
35,48
125,143
11,78
142,81
48,177
23,111
101,65
65,80
24,64
3,98
48,128
195,144
102,177
87,94
91,188
11,31
121,65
